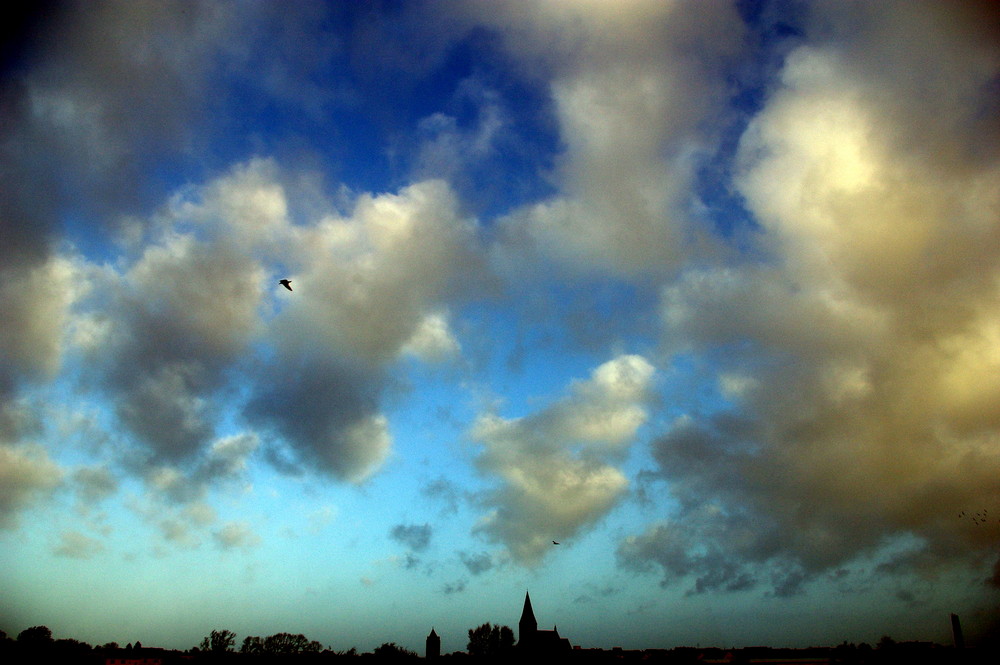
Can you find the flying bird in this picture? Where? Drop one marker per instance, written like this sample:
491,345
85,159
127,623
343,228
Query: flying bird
554,542
287,283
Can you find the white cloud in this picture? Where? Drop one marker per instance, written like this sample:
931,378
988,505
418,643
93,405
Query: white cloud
371,285
369,281
433,340
634,103
554,481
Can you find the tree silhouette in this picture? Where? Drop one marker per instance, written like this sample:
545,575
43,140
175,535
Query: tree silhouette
286,643
279,644
220,641
391,651
36,635
885,643
252,645
490,640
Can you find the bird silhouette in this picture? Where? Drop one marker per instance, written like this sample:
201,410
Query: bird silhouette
287,283
554,542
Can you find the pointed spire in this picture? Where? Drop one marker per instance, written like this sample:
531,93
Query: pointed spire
527,626
527,612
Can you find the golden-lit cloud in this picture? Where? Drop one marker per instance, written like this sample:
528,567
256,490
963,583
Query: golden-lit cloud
552,465
860,362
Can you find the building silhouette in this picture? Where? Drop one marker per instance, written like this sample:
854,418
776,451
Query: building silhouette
530,640
433,646
956,632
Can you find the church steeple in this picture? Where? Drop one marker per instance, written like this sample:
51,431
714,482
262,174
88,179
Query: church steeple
527,627
433,647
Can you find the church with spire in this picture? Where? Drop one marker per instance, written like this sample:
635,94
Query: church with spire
432,648
534,641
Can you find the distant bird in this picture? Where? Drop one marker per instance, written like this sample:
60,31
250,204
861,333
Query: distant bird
287,283
554,542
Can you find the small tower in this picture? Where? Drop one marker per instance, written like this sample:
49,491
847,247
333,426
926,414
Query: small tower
433,648
527,627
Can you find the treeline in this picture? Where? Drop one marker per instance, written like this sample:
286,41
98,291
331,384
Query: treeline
279,644
38,640
222,643
36,644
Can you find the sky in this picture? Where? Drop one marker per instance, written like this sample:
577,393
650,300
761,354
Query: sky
706,292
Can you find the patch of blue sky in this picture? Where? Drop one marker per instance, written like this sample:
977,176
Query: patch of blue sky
508,114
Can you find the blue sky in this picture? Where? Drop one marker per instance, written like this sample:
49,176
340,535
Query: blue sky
707,292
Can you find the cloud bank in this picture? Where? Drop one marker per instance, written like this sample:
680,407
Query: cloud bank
859,363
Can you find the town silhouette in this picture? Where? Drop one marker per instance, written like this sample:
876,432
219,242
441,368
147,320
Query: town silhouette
486,642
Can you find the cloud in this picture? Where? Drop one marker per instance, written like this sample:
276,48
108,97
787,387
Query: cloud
450,151
75,545
171,326
321,518
371,286
446,492
91,96
157,315
170,320
856,366
94,484
477,564
236,535
84,108
370,281
635,92
327,412
228,456
415,536
27,474
554,480
181,315
36,303
432,340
